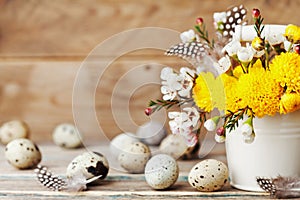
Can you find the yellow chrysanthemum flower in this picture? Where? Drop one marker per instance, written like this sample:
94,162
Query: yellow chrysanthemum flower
208,92
259,90
233,101
238,71
285,68
201,94
289,102
292,33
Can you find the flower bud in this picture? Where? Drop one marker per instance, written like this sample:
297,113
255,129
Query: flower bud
258,44
199,21
211,124
221,131
148,111
292,33
297,49
219,139
249,139
255,13
247,128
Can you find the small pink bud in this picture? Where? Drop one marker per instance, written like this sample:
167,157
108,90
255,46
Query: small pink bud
220,131
199,21
148,111
297,49
255,13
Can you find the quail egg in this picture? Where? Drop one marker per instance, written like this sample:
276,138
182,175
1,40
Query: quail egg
161,171
90,164
119,142
134,157
151,133
173,145
12,130
22,153
208,175
67,136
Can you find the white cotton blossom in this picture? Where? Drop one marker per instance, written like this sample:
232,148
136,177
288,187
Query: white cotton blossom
224,63
232,47
245,54
188,36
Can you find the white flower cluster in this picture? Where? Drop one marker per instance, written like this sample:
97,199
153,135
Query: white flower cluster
184,123
176,85
189,36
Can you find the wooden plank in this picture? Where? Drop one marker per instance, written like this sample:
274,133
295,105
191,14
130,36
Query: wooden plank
18,184
74,27
41,94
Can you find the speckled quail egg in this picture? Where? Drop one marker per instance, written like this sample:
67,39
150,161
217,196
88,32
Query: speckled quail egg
90,164
161,171
12,130
119,142
134,157
22,153
67,136
151,133
173,145
208,175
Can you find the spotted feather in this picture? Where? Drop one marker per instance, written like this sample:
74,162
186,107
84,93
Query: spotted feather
280,187
234,16
46,178
192,51
266,184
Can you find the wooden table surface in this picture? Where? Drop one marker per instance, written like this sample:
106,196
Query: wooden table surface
22,184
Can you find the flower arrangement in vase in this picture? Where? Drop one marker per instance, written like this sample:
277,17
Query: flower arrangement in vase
248,73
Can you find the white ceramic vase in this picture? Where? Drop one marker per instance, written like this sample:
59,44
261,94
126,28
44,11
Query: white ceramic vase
275,151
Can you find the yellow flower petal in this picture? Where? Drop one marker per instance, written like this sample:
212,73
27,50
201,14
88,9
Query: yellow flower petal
208,92
285,68
289,102
292,33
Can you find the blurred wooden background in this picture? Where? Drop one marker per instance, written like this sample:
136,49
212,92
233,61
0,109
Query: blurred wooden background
44,42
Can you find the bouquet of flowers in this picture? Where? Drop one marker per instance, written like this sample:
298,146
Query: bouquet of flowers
249,75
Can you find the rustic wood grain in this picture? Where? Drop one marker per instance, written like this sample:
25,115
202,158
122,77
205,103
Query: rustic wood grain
74,27
41,94
20,184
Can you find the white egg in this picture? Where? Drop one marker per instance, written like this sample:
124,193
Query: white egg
208,175
173,145
67,136
12,130
90,164
119,142
161,171
151,133
134,157
22,153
